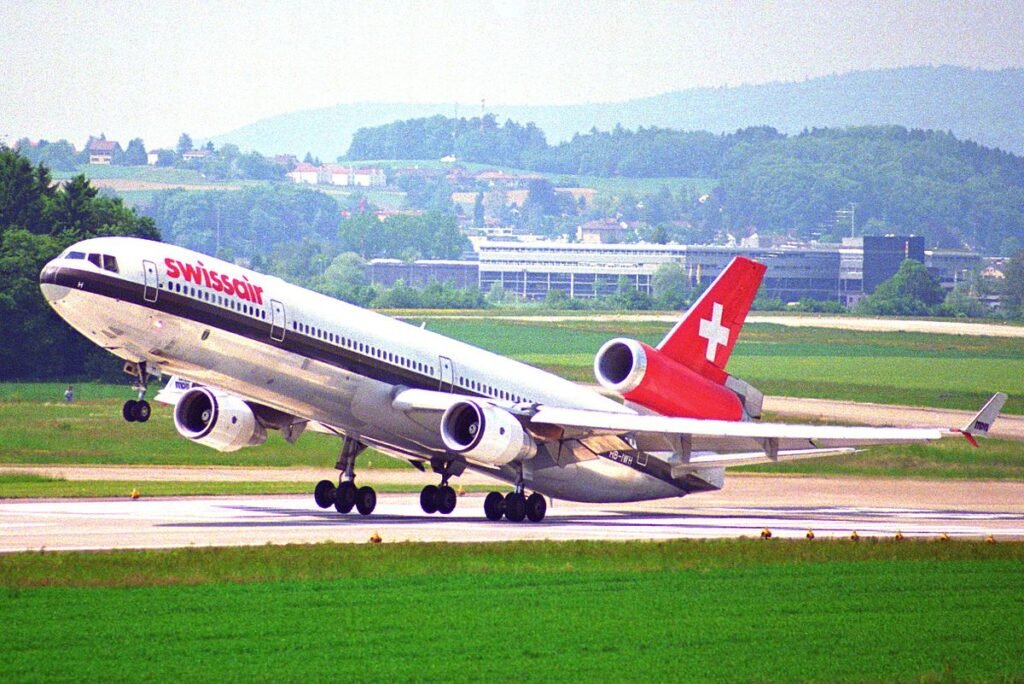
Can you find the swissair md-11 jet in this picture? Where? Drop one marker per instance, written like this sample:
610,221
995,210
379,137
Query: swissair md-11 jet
248,353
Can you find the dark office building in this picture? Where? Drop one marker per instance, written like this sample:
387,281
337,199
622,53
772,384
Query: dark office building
884,254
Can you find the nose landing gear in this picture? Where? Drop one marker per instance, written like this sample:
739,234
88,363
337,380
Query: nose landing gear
137,410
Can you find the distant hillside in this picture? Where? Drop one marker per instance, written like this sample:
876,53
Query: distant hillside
983,106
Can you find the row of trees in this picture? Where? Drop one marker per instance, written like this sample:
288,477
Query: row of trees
38,220
227,163
955,193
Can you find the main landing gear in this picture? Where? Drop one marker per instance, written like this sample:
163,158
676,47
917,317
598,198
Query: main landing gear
137,410
440,499
346,495
515,506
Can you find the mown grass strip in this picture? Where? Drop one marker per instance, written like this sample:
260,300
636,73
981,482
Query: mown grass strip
330,561
678,611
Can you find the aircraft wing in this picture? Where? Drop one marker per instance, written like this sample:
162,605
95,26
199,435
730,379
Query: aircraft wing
728,443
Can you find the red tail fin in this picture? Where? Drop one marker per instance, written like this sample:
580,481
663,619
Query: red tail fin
703,339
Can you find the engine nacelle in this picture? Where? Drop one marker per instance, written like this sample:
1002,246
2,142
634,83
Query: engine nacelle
214,419
485,434
644,375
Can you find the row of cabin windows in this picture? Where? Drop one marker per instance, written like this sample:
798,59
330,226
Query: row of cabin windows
400,360
476,386
104,261
214,298
363,348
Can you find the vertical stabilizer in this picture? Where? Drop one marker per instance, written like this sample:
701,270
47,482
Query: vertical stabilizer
705,336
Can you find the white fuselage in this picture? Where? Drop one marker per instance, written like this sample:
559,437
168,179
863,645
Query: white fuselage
316,358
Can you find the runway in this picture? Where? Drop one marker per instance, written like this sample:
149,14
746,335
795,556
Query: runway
789,507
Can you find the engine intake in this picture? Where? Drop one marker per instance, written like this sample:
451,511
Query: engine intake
217,420
642,374
485,433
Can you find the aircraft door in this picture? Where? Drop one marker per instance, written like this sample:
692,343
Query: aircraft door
277,320
447,374
152,281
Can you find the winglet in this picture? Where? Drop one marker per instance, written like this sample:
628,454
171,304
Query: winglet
983,420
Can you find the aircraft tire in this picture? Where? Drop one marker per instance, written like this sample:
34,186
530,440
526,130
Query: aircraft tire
345,497
428,499
536,507
494,506
515,507
128,410
446,500
141,411
366,500
324,493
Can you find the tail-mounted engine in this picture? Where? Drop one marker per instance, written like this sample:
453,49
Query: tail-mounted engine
646,376
214,419
485,433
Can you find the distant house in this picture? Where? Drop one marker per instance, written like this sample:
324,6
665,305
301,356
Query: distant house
601,231
305,173
195,155
369,177
102,151
366,177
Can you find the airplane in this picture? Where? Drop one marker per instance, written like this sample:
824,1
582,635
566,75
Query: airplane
247,353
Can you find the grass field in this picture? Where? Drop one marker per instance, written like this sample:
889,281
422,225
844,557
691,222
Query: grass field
677,611
34,430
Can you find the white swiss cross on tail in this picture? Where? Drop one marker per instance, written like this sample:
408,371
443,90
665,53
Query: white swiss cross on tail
714,332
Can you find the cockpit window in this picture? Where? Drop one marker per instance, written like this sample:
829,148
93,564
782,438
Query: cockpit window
75,255
96,259
109,263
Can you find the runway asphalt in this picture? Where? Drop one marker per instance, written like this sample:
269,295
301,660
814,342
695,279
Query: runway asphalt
257,520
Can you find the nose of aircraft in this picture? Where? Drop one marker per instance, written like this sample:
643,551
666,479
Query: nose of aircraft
48,283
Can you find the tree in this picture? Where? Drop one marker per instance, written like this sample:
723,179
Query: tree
184,143
911,292
669,286
135,154
1013,286
478,210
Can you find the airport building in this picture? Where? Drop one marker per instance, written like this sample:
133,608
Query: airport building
839,273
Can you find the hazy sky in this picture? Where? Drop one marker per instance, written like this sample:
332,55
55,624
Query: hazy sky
155,69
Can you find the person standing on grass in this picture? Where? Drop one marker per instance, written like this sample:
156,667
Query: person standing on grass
69,394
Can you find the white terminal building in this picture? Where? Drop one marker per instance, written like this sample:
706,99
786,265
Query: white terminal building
530,269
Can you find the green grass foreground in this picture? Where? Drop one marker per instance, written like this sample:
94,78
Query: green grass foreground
671,611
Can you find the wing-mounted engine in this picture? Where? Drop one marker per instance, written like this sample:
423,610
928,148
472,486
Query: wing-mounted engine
218,420
643,375
485,433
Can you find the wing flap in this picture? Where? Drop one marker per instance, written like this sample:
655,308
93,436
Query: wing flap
715,434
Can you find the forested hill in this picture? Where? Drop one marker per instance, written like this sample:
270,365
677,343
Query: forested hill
978,105
954,192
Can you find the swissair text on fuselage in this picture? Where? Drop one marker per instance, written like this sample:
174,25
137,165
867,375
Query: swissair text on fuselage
199,275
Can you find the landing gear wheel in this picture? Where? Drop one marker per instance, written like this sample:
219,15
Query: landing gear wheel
446,500
324,493
515,507
345,497
141,411
536,507
428,499
366,500
494,506
128,410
